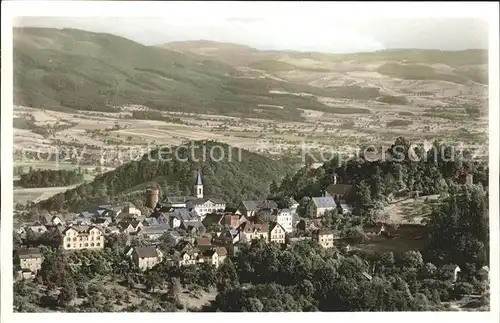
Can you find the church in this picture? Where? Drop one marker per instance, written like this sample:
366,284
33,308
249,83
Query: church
198,202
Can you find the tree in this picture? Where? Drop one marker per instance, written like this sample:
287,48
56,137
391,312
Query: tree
253,305
459,229
55,271
152,280
412,259
273,188
68,293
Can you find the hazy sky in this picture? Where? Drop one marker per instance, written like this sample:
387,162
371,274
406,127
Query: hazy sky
320,26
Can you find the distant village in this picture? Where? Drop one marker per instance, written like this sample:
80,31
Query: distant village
188,221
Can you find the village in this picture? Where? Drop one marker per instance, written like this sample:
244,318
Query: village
198,225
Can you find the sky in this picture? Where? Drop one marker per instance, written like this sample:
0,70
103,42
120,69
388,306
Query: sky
320,26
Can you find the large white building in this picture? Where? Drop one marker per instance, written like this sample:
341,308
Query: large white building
283,217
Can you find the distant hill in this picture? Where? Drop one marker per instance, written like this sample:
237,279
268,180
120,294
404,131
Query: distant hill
83,70
74,69
230,53
232,179
464,65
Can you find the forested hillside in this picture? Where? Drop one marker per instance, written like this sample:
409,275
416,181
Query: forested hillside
75,69
234,178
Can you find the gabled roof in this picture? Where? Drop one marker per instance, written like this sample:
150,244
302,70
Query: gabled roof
86,214
341,189
29,253
184,215
273,225
200,201
256,205
156,229
150,221
198,179
192,225
249,227
222,251
174,234
212,218
183,244
324,202
146,252
102,220
129,222
82,228
203,241
38,228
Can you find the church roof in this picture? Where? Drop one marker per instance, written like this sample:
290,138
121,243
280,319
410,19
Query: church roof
198,179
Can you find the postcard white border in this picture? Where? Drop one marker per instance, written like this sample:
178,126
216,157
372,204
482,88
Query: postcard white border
362,10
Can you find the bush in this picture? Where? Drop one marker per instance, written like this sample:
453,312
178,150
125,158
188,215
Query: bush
463,288
389,99
399,123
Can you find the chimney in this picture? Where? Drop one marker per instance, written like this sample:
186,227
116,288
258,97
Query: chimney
469,179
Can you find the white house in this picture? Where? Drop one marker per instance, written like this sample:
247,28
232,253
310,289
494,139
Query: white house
203,206
283,217
319,205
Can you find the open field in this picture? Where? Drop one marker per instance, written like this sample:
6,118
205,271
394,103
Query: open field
409,211
124,139
319,129
402,238
23,195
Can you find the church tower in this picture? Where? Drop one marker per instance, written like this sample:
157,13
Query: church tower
198,186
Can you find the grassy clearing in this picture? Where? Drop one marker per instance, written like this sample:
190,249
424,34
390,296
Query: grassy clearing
409,211
406,239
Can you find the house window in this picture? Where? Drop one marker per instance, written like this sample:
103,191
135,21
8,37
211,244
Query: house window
74,239
68,246
68,239
86,244
92,244
98,244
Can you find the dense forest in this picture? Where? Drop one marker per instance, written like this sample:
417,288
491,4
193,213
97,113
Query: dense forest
240,174
50,178
433,171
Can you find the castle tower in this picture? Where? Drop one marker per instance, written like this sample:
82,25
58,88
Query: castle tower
152,197
198,186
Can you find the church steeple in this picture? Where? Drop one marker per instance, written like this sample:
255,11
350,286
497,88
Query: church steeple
198,186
